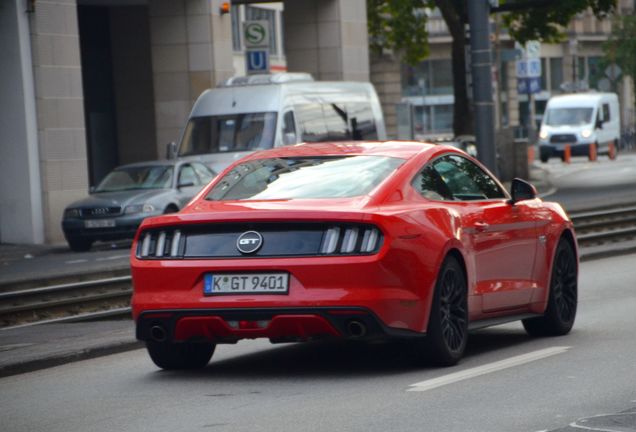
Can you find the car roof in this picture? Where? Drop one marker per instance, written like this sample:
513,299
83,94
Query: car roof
397,149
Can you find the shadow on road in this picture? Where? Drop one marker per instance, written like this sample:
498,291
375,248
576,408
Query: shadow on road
341,359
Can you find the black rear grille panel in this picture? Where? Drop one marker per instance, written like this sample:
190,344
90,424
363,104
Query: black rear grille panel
279,240
563,138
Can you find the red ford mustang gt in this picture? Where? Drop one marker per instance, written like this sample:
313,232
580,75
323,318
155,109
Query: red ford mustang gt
352,240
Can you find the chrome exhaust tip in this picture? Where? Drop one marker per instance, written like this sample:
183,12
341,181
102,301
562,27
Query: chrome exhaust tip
356,329
158,333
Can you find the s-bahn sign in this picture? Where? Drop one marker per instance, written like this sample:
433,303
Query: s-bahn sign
256,34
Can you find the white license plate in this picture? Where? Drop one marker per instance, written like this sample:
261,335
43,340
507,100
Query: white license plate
246,283
99,223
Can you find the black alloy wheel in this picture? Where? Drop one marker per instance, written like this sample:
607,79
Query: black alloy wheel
183,355
447,332
563,298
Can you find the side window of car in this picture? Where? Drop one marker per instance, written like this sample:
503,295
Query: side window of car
289,128
187,175
429,183
466,180
204,174
606,112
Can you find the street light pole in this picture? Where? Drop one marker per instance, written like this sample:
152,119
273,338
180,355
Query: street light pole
478,13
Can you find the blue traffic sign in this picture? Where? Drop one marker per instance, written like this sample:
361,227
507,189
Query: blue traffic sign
528,85
257,61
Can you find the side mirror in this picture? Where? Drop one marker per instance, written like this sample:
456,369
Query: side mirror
521,190
171,150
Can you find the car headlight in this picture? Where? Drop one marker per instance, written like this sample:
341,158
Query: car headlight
586,133
72,213
139,208
543,134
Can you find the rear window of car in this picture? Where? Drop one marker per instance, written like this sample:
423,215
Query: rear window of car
304,177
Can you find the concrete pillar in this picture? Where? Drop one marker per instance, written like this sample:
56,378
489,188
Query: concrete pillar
20,189
191,46
327,38
60,109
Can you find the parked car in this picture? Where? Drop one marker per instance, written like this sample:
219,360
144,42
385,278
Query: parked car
580,120
364,241
128,195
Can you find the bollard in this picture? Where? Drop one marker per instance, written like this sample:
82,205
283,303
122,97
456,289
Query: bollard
530,154
592,152
567,154
612,151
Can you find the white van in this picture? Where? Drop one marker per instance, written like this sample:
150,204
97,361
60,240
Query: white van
580,120
245,114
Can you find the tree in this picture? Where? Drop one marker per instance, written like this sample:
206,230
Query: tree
398,24
620,48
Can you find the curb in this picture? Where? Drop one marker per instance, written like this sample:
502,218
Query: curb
85,354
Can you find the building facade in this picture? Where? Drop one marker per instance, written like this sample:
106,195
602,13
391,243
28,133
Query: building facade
91,84
427,88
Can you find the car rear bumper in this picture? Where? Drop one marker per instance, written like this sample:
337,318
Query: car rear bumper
277,324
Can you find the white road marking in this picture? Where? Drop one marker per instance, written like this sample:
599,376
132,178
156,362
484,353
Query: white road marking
486,369
114,257
77,261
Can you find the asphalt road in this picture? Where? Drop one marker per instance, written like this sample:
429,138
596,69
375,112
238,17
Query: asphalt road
507,382
583,185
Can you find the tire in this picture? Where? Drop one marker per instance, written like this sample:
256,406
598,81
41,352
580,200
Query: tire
447,332
176,356
562,301
78,244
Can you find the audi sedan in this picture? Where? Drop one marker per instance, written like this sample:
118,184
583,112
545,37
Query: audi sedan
128,195
361,241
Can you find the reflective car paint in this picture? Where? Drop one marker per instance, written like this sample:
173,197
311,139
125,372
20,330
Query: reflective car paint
506,251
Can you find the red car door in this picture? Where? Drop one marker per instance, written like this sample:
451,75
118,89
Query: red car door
501,237
504,242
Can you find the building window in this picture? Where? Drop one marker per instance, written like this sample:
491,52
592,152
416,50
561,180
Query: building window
431,77
236,28
260,14
556,74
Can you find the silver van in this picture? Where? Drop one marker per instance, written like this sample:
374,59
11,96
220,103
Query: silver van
258,112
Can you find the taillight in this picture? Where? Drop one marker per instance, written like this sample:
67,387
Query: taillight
339,240
162,243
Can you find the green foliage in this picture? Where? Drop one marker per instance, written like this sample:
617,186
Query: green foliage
547,21
620,48
399,25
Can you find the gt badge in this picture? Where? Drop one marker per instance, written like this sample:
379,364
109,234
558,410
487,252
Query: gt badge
249,242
